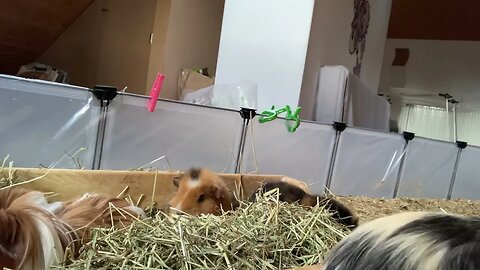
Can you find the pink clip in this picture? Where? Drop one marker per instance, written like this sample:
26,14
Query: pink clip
155,92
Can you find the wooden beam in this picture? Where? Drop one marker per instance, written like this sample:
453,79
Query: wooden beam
435,20
154,186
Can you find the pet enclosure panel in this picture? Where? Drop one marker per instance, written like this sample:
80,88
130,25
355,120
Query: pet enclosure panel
428,169
367,163
47,124
187,135
304,154
467,182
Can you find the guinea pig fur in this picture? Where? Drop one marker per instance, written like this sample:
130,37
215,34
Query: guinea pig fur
290,193
97,210
200,191
410,241
31,237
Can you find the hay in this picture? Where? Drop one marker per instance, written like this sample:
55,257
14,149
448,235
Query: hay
7,177
267,234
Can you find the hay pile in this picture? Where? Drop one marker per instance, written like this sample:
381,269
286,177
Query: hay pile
266,234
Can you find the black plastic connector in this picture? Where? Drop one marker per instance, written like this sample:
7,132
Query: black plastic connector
408,136
105,93
247,113
339,126
453,101
445,95
462,145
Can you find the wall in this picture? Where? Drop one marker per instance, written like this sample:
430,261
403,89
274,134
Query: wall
125,45
329,43
437,65
192,39
75,51
102,47
159,41
266,42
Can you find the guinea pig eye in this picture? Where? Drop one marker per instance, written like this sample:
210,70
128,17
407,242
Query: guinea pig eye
201,198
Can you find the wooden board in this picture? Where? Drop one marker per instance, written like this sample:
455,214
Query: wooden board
154,186
435,19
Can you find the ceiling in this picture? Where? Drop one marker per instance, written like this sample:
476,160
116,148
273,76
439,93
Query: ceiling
28,28
435,19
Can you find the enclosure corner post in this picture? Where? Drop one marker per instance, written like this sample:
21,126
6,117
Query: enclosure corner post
407,136
461,145
105,94
247,114
339,127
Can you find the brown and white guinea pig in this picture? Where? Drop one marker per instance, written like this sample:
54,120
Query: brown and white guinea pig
35,234
410,241
31,237
290,193
97,210
201,191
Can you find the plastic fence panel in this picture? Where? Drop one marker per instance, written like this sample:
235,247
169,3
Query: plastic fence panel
367,163
428,169
187,135
47,124
467,182
304,154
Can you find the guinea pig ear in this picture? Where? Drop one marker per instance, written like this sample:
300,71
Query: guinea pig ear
176,181
218,191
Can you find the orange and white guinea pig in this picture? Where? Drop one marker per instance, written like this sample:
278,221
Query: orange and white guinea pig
35,234
200,191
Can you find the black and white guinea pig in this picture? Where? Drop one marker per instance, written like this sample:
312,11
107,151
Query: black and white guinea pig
290,193
410,241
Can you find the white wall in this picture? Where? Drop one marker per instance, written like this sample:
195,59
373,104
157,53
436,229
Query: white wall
437,65
329,42
266,42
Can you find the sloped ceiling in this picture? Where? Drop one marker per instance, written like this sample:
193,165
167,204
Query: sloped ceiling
28,28
435,19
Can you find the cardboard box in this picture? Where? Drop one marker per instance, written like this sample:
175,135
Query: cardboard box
190,81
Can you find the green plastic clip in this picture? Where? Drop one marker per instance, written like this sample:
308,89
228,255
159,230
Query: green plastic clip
272,114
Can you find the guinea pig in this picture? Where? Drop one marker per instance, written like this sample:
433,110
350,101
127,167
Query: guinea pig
200,191
31,237
410,241
290,193
97,210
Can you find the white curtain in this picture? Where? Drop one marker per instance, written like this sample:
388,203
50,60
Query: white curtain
468,127
436,123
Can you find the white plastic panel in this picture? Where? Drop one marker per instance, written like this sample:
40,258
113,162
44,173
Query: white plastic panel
46,124
428,169
304,154
331,89
367,163
188,135
467,182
